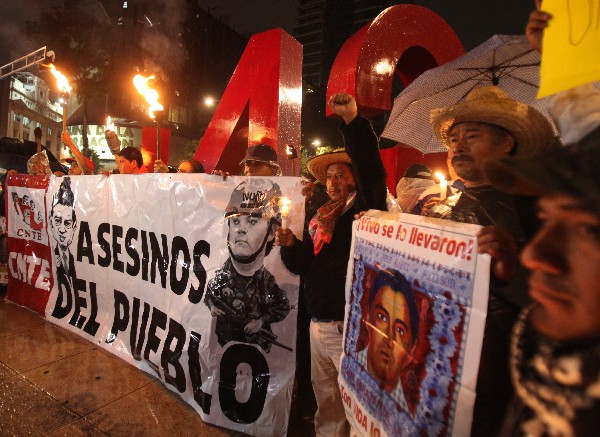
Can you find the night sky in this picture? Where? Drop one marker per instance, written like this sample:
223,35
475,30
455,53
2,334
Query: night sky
247,17
13,44
253,16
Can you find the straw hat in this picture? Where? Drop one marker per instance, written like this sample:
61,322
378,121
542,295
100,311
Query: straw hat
491,104
318,165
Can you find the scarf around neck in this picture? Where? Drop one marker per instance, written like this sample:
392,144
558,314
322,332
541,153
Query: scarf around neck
560,383
321,226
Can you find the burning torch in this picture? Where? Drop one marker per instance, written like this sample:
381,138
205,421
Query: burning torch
65,89
151,96
114,144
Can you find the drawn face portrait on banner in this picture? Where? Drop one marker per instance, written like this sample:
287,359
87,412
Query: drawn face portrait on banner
392,327
63,221
252,215
243,295
249,235
63,225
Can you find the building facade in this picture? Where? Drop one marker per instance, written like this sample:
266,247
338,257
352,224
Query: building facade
29,106
324,25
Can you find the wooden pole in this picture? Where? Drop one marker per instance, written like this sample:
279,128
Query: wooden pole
157,139
64,108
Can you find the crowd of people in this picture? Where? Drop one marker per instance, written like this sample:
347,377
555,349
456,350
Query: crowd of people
536,197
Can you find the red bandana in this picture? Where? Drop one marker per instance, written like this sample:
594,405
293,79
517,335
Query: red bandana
323,223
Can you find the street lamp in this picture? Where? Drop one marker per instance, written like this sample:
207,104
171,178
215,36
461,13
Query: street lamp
209,102
316,142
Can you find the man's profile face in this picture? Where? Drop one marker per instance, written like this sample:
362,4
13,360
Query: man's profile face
564,259
390,337
246,234
472,145
63,225
128,167
340,181
258,168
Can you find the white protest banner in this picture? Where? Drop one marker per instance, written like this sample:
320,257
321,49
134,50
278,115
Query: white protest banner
415,309
178,275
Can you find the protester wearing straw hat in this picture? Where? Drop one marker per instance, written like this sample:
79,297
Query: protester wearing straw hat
486,126
355,181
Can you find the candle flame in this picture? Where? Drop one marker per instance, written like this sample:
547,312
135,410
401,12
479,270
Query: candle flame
285,206
151,95
440,176
61,80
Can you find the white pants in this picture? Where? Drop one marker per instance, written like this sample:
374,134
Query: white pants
326,346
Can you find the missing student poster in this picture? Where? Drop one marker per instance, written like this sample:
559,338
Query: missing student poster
415,314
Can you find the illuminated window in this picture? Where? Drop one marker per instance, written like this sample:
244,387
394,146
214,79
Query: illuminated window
124,5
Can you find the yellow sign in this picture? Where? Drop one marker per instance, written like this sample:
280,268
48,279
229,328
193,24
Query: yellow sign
571,45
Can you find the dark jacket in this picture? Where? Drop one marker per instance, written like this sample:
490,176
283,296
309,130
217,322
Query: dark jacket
487,206
325,273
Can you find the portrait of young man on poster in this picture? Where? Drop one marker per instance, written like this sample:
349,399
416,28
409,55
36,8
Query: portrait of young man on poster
403,357
392,327
243,295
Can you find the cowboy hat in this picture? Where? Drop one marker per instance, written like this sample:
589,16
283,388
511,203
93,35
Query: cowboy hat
531,130
263,153
318,165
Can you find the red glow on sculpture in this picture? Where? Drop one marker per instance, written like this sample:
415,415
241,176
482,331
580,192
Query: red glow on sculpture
261,104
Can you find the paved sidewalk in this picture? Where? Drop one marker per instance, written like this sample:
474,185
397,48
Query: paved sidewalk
55,383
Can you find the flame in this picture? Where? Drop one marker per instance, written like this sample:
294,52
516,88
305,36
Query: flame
285,206
440,176
151,95
109,124
61,80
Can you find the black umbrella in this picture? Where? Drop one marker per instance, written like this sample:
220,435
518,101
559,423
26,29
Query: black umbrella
15,153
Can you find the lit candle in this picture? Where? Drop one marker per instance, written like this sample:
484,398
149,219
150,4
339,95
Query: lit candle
285,210
443,185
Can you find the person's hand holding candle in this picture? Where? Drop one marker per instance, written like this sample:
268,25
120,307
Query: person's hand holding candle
284,237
